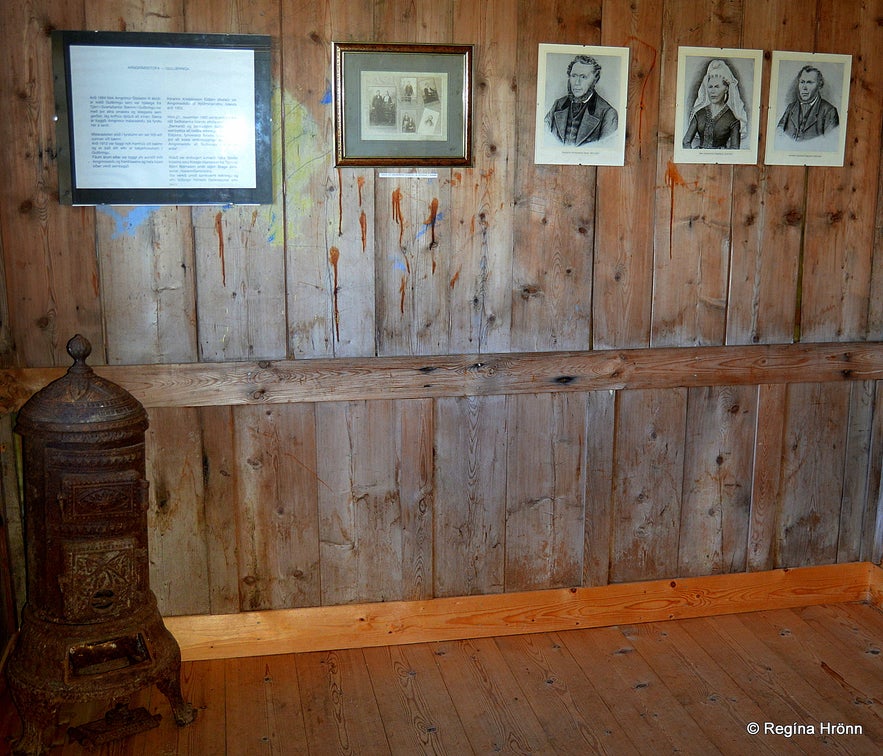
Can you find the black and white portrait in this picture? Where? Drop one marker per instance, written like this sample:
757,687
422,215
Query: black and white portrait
581,104
718,105
809,97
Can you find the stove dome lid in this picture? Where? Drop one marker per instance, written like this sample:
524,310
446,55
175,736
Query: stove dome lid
81,401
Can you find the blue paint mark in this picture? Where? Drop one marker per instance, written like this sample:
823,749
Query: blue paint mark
326,98
400,266
422,231
126,225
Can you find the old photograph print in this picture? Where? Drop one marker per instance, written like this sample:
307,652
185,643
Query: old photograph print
717,112
400,106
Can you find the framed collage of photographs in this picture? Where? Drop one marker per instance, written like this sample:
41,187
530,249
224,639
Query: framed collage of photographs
398,105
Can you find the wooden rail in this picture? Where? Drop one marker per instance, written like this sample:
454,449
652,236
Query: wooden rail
346,379
281,631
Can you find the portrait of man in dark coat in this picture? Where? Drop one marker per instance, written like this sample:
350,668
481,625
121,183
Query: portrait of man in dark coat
809,115
583,115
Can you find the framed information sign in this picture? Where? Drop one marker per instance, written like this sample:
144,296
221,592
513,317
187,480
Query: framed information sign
162,119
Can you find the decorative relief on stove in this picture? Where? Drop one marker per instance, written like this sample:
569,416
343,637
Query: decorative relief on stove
94,497
119,458
99,578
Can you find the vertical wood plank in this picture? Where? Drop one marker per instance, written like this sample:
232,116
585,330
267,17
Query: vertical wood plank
52,278
768,201
623,274
482,211
856,471
555,204
308,178
470,463
145,253
364,510
176,527
600,437
240,265
693,202
221,507
416,477
811,490
648,483
351,243
545,510
278,525
872,525
766,476
718,453
841,201
413,237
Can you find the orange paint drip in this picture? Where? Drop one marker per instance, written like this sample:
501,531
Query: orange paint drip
363,222
219,228
455,278
430,221
334,256
402,295
361,183
397,213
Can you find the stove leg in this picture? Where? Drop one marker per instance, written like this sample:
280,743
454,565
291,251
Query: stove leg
36,719
170,687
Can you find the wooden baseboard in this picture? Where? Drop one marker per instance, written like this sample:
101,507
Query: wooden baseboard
382,624
875,585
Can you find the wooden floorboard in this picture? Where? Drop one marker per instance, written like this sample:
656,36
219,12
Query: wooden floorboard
689,686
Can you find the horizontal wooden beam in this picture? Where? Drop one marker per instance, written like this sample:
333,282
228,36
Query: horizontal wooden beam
875,588
285,631
344,379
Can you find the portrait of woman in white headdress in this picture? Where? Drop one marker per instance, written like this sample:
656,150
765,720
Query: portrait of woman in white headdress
718,105
718,120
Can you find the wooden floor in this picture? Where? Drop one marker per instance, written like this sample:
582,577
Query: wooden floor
688,686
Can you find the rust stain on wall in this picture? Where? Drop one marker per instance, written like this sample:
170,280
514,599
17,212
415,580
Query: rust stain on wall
219,228
363,222
402,295
455,278
334,256
430,221
361,183
397,213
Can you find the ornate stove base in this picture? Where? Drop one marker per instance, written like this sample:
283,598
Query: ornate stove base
54,664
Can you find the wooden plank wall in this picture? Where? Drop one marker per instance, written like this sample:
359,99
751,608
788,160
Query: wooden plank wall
280,505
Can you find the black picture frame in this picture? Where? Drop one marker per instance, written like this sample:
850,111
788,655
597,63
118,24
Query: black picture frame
168,183
402,105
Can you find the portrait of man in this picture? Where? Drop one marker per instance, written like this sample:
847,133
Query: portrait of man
809,98
809,115
581,104
583,115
